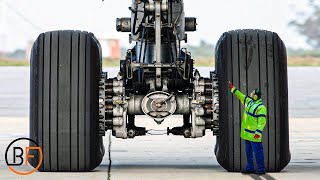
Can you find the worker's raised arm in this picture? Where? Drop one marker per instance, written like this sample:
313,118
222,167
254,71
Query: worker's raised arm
262,119
243,98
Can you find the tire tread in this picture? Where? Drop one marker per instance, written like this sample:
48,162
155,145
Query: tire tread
65,69
252,58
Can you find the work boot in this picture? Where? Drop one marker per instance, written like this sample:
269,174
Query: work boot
248,171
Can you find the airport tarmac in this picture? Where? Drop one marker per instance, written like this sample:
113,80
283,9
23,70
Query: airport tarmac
170,157
174,158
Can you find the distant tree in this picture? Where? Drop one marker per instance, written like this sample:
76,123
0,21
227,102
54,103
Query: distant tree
309,25
18,54
203,50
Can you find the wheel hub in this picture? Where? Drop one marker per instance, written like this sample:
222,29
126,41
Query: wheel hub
159,105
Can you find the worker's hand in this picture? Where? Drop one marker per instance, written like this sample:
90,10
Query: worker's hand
231,85
256,136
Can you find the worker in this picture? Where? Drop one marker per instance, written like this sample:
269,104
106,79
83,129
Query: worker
253,123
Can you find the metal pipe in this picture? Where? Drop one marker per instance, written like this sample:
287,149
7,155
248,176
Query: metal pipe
158,42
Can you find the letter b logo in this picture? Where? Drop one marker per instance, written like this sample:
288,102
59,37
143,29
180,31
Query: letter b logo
19,158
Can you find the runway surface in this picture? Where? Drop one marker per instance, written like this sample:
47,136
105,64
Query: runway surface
171,157
174,158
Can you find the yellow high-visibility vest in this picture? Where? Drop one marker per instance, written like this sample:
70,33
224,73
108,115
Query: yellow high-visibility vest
254,117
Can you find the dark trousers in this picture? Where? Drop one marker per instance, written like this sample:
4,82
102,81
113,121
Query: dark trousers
257,149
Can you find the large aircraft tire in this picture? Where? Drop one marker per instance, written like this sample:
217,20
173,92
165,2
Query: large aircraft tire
252,59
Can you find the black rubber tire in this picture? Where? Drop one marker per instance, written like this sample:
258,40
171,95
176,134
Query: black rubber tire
65,71
252,59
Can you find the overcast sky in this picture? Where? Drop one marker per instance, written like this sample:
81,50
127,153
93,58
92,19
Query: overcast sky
28,18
